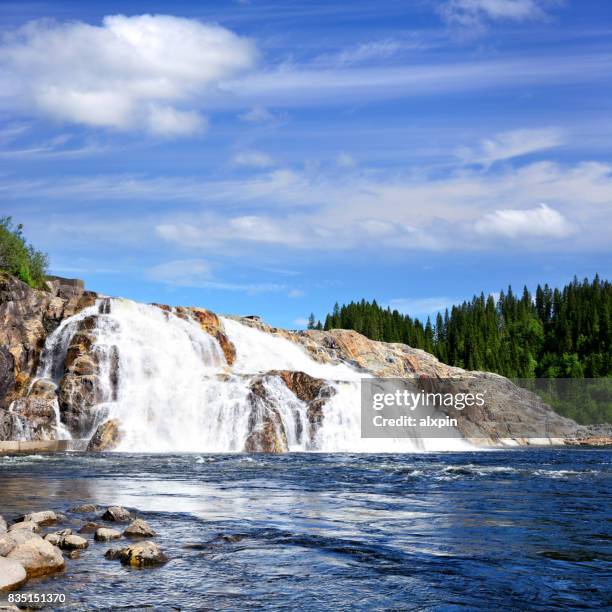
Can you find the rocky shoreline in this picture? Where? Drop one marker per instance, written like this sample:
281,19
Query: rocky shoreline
43,543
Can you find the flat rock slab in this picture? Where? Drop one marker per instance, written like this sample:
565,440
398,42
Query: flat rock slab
105,535
12,574
38,557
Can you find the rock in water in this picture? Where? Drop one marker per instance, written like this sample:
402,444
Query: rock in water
107,437
38,557
45,517
116,514
89,527
8,541
144,554
104,535
139,529
12,574
73,542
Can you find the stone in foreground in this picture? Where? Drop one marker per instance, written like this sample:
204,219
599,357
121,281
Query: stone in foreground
73,542
104,535
38,557
8,541
116,514
12,575
139,529
144,554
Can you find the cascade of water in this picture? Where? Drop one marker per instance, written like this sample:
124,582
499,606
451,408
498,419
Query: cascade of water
168,384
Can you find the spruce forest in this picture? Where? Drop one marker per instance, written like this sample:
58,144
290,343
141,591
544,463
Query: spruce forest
556,333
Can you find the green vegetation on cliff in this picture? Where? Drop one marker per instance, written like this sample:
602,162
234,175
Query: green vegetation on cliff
558,333
20,258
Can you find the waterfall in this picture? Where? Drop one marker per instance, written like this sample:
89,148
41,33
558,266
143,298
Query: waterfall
168,384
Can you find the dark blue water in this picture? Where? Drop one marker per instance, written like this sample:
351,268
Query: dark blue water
520,530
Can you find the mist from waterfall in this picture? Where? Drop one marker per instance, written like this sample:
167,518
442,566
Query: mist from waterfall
168,384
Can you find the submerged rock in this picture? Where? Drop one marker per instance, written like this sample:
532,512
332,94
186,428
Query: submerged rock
89,527
116,514
107,437
144,554
12,574
104,534
85,508
38,557
139,529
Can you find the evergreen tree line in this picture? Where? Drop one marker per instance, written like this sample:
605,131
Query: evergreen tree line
558,333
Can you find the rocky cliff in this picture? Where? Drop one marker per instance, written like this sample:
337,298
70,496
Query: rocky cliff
112,373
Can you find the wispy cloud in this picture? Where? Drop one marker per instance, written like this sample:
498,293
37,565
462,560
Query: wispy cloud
474,12
419,307
515,143
253,159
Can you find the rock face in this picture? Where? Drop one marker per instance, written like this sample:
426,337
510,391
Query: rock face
12,574
27,316
267,432
106,438
38,557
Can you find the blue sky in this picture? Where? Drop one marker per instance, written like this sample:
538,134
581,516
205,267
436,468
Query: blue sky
273,158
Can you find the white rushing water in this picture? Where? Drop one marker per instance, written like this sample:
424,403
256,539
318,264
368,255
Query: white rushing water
170,387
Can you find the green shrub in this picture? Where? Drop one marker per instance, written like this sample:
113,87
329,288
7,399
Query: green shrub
20,258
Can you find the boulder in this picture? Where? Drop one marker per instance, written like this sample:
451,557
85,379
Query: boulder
26,526
73,554
53,538
139,529
38,557
116,514
106,437
105,535
112,553
144,554
73,542
8,541
89,527
12,575
45,517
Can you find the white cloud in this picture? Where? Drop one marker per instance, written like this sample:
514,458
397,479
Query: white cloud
148,72
542,221
371,50
515,143
295,293
254,159
259,114
302,322
472,12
